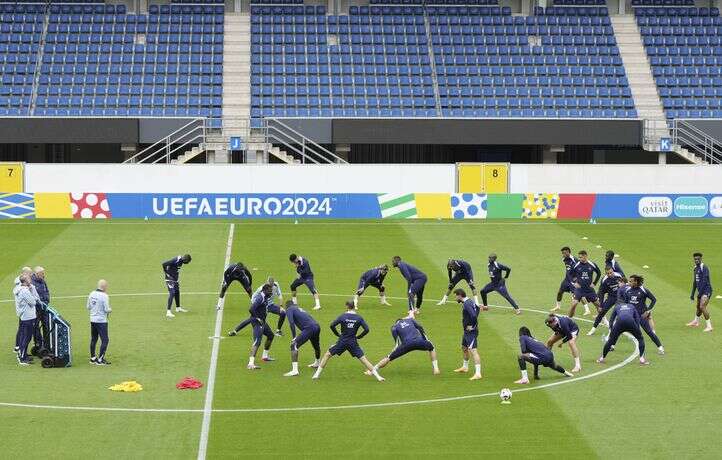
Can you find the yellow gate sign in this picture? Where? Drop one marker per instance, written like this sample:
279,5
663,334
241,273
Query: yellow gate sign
11,177
482,177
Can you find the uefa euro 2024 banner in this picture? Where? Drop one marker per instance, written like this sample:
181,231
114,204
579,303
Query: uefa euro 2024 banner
358,206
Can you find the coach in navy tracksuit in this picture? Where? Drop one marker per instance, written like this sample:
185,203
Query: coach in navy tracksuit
416,280
305,276
310,331
497,283
625,318
41,335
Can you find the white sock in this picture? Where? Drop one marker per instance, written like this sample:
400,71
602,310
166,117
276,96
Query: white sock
265,354
696,319
708,322
435,365
466,364
477,367
476,299
355,301
318,302
318,371
524,375
443,299
295,301
383,298
251,360
592,329
294,366
577,362
558,306
376,373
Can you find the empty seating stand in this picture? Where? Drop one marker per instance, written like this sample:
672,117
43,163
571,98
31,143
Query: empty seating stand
685,51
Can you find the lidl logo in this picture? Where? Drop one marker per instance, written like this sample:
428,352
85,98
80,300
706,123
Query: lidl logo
690,206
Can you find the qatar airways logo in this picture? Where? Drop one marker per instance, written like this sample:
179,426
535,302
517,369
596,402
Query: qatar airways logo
655,206
239,206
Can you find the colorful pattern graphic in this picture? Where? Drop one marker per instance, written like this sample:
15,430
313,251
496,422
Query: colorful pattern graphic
89,206
16,206
433,206
468,206
540,206
397,205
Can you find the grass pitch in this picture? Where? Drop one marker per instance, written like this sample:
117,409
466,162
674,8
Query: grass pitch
668,409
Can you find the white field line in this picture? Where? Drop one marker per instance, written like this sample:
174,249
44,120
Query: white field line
211,382
614,367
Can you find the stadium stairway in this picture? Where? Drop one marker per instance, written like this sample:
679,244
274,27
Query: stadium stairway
237,66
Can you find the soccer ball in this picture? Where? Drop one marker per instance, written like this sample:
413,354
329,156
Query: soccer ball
505,395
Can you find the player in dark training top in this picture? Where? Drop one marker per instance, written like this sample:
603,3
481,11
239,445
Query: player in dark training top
536,353
305,276
608,289
235,272
374,277
310,331
566,285
702,285
584,275
171,270
625,318
497,283
566,330
636,295
350,323
470,338
459,270
416,281
409,336
261,305
611,261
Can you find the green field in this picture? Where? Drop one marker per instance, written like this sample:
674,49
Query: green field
671,409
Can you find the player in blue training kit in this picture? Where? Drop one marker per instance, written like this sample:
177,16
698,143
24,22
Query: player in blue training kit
536,353
703,286
566,285
310,331
416,280
608,296
469,341
235,272
566,330
305,276
459,270
625,318
610,261
497,283
636,295
171,269
350,323
374,277
584,275
261,305
409,336
275,292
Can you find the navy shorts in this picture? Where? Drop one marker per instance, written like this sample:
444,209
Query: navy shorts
707,293
540,360
608,303
362,285
587,293
346,345
566,286
259,330
419,344
572,335
470,338
308,282
312,333
458,277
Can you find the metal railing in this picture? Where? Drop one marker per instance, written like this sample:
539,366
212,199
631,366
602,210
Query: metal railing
696,141
184,138
277,132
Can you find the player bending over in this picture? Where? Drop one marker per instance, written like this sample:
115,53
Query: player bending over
261,305
470,323
536,353
608,296
497,283
701,284
636,295
374,277
276,292
350,323
610,261
584,275
625,318
566,330
459,270
416,280
566,285
235,272
310,331
409,336
305,276
171,268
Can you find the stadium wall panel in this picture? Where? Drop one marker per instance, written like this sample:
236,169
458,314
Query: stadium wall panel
69,130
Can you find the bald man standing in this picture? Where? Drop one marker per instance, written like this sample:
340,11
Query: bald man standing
99,308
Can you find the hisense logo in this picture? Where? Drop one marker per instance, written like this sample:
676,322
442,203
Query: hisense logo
690,206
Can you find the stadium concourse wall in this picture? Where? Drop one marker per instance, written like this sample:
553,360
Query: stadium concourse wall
381,191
